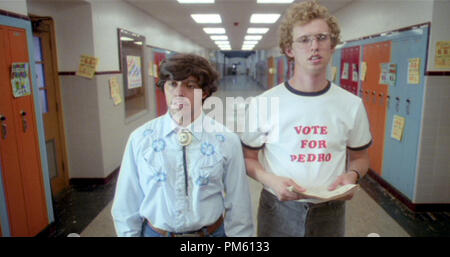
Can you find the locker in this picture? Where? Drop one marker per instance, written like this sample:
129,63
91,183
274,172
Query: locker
400,156
336,62
19,147
350,56
374,98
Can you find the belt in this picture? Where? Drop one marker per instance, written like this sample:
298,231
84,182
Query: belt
199,233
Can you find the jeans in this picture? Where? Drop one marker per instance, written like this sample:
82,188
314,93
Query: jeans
299,219
147,231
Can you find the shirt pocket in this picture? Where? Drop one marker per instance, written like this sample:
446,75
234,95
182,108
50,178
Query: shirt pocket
209,172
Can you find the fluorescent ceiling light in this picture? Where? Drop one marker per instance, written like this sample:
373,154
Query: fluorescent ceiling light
196,1
225,49
206,18
264,18
222,42
257,30
274,1
248,42
253,37
214,30
138,43
220,37
247,48
126,39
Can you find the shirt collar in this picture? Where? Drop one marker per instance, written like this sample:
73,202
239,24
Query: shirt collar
196,127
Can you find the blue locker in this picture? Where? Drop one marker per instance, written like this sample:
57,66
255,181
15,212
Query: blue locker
336,62
406,100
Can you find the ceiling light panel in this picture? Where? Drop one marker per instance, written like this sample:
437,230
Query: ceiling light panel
253,37
274,1
196,1
257,30
264,18
222,42
214,30
219,37
206,18
248,42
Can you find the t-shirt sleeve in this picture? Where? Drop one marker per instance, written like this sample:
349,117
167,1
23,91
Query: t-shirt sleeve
253,135
360,137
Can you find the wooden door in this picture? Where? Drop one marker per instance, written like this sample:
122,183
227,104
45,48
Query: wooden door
49,92
19,147
271,72
373,97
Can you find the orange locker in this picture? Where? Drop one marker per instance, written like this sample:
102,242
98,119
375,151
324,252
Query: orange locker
19,146
375,99
271,72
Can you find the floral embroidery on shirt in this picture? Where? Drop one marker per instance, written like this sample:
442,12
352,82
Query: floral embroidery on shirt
202,180
159,145
160,176
207,149
220,138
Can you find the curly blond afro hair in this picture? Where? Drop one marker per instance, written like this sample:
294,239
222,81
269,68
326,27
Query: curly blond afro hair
302,13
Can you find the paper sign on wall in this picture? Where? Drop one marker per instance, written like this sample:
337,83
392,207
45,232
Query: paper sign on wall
413,71
344,74
363,71
115,91
20,79
388,74
398,126
442,57
354,72
87,67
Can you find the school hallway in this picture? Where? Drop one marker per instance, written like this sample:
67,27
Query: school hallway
77,77
373,210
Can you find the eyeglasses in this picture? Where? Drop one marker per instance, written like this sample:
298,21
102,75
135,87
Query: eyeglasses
307,40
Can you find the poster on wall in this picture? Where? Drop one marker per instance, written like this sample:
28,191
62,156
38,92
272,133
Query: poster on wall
87,67
20,80
413,71
134,74
442,57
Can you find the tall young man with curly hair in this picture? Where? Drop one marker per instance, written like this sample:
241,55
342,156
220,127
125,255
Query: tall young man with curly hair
323,134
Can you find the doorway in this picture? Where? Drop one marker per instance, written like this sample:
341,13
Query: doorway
45,61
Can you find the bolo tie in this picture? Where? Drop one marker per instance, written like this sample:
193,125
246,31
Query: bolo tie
185,138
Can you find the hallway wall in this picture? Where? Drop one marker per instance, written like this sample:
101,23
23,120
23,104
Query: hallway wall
15,6
96,130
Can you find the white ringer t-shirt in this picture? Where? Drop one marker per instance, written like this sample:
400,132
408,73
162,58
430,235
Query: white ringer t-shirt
304,136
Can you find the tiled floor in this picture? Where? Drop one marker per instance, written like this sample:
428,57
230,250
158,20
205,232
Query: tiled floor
80,205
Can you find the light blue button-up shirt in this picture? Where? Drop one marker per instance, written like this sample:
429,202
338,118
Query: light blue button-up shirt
151,183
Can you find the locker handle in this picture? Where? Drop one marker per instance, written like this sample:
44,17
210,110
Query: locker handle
3,125
408,102
381,97
24,121
397,105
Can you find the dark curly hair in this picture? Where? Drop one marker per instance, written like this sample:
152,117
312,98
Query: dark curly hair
180,66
